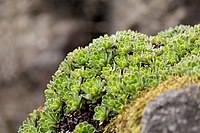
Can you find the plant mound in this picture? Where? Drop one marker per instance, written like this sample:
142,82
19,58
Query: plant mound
94,84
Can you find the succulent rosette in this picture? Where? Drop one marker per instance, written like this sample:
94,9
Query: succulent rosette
94,84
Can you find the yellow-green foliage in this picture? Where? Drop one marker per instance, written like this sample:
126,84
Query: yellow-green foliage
114,70
130,120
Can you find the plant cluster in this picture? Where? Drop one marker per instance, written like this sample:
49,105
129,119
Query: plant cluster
114,70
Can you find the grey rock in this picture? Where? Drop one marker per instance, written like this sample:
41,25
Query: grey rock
175,111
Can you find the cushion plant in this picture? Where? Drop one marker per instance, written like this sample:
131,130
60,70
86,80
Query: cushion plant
94,84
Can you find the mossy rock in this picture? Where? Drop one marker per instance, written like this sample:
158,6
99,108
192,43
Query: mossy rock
130,120
95,83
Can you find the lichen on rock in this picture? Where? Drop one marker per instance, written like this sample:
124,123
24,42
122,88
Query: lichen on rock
110,73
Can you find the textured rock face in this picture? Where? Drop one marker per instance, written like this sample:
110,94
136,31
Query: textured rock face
175,111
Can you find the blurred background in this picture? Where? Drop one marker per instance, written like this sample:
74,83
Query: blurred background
36,35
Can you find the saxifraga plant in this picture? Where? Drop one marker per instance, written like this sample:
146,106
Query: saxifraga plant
94,84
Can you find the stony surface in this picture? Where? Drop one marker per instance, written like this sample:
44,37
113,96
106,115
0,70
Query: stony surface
175,111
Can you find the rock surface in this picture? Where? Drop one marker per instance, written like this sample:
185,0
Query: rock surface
175,111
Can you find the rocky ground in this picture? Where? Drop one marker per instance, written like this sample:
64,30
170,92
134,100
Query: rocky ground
36,35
